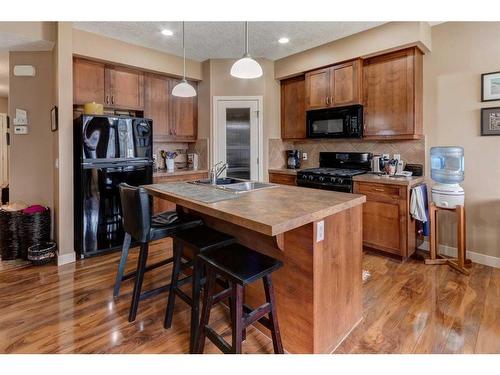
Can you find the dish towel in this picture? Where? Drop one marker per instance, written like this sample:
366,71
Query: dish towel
419,206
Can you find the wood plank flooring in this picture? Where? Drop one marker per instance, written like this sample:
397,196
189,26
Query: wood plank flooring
408,308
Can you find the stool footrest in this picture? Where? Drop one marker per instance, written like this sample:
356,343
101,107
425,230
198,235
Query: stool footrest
262,320
218,340
256,315
226,293
184,296
154,292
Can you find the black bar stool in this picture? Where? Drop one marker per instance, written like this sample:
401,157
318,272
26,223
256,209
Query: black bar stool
198,240
139,225
240,266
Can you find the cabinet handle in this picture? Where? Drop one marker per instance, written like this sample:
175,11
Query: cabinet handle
112,99
107,99
327,100
379,189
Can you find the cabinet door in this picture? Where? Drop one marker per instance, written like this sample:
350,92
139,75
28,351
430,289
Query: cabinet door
293,111
345,84
318,88
389,83
156,106
88,82
184,115
125,87
283,179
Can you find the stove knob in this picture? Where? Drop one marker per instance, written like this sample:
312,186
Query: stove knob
311,178
332,180
321,179
340,181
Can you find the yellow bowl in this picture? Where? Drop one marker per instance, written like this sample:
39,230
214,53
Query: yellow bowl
93,109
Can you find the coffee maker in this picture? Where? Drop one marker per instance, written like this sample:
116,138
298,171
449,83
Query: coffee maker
293,159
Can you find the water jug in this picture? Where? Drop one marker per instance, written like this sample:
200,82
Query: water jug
447,164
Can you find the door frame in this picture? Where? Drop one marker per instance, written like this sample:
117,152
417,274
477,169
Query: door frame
260,130
4,157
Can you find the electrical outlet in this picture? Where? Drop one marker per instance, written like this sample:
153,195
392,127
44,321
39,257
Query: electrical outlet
386,156
320,231
397,156
304,156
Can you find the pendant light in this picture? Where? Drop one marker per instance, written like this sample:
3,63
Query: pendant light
246,67
183,89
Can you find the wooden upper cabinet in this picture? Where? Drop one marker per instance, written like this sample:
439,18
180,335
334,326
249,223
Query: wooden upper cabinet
345,84
88,81
392,95
317,88
125,88
335,86
183,115
157,105
293,112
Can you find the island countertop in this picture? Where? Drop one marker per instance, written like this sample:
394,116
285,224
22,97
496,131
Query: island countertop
270,211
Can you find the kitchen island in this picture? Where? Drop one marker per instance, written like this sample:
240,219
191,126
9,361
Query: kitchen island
318,236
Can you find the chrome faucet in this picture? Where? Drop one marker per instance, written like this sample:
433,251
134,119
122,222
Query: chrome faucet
216,171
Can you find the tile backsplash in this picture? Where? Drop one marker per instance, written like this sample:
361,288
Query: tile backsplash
412,151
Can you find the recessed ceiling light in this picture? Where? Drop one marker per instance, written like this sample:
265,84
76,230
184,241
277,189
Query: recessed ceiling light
167,32
283,40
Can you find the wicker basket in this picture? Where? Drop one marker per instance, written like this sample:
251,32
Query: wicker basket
42,253
10,235
34,229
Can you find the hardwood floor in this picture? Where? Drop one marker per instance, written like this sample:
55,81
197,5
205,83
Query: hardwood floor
408,308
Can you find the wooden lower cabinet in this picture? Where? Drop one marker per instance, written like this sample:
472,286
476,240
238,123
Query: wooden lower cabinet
387,224
283,179
162,205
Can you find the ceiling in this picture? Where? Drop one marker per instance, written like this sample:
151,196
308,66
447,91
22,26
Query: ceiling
205,40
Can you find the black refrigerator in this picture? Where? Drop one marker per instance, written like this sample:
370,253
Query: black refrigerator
108,150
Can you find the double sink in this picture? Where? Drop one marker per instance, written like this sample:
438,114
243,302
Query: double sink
234,185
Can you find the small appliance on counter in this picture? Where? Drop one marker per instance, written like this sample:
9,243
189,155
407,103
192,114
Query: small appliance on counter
377,164
192,161
293,159
447,169
181,158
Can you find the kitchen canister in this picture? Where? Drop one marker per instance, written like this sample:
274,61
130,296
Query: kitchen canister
170,164
93,108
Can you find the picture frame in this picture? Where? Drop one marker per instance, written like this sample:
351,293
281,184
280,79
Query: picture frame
54,125
490,86
490,121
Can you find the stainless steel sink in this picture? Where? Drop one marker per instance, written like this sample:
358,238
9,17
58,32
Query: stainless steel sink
242,187
234,185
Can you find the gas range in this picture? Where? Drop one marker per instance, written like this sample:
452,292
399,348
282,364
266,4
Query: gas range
336,171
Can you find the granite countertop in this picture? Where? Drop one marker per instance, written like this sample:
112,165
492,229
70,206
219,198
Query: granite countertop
270,211
178,172
284,171
384,179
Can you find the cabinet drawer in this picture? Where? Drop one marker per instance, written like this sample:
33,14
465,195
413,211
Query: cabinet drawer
378,189
283,179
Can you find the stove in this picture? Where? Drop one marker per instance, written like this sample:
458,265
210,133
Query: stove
336,171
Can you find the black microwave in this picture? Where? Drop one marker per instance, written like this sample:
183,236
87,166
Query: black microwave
343,122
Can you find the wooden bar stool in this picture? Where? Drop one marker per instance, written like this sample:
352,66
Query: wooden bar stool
240,266
197,240
141,226
461,260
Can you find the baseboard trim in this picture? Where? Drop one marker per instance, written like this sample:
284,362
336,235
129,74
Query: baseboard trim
451,251
63,259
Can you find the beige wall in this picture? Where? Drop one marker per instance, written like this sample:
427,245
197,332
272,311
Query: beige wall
31,155
4,105
108,49
217,81
390,36
461,52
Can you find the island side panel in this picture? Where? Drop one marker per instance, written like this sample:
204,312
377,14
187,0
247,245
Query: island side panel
338,294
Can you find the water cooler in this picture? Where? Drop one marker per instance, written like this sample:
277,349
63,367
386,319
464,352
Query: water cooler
447,170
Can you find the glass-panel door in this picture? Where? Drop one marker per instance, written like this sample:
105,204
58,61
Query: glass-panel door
237,140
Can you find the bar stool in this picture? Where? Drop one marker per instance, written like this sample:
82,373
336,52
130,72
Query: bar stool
139,225
198,240
240,266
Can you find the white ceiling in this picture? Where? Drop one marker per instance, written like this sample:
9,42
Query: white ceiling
205,40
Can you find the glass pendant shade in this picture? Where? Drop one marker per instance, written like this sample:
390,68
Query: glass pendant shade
184,90
246,67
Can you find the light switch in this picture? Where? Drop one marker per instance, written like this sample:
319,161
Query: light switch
20,129
320,231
